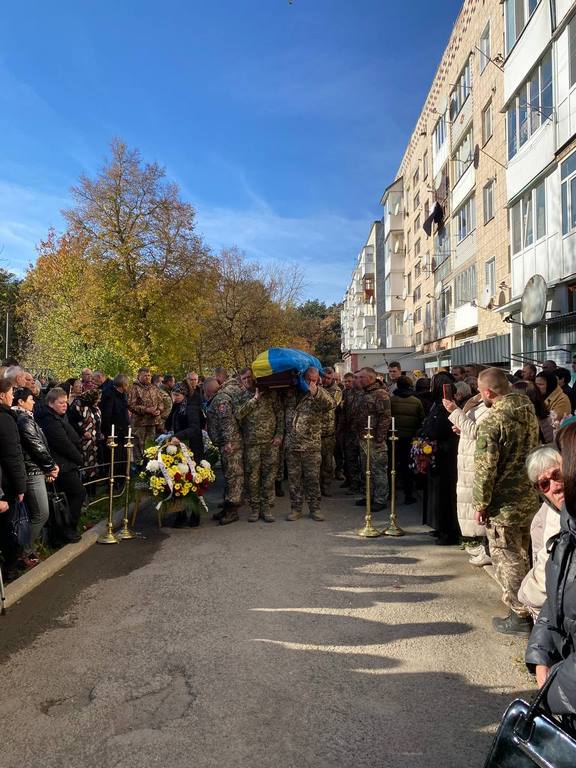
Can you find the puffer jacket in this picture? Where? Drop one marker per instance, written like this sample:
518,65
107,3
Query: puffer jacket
467,421
546,524
408,412
37,457
553,638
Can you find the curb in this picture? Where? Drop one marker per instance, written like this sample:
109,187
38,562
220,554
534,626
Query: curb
24,584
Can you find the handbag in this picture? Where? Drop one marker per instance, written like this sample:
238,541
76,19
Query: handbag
21,524
528,736
60,520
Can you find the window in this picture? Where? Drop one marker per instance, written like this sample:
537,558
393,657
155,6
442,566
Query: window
465,286
463,155
488,200
417,249
487,122
418,338
425,165
416,229
416,177
518,13
417,270
461,90
528,218
465,220
443,304
490,276
572,50
485,47
418,315
408,239
439,134
531,105
416,201
409,282
568,177
426,209
428,316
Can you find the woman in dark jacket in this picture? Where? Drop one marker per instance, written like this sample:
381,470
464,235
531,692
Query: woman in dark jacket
552,644
13,477
64,445
40,467
186,420
441,508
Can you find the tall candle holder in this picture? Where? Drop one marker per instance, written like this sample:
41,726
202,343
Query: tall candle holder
108,537
368,532
393,528
125,533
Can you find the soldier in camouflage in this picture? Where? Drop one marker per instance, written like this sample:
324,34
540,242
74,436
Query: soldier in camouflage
262,421
353,415
224,431
374,402
504,499
329,385
304,418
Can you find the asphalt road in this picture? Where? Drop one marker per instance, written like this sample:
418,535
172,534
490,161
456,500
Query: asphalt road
254,645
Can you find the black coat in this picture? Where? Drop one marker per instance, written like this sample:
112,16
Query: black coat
553,639
114,410
11,456
37,457
186,420
63,440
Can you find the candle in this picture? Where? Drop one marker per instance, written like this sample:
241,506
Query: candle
130,432
393,424
112,435
369,420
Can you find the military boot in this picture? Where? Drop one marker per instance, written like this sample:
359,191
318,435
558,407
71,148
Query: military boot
295,514
267,516
315,514
230,513
254,516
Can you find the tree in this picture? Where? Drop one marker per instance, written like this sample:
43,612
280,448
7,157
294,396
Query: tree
320,324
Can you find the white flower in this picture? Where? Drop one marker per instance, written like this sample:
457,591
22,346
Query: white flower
182,468
205,464
171,449
153,466
196,479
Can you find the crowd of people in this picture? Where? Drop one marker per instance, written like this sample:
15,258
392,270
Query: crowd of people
490,454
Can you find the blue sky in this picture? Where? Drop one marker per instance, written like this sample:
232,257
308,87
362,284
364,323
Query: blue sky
282,123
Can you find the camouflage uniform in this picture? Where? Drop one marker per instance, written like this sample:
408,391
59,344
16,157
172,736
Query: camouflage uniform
261,421
502,489
329,437
374,402
145,426
351,403
304,418
224,431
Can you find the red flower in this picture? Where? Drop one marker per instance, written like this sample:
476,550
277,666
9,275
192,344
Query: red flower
189,476
177,477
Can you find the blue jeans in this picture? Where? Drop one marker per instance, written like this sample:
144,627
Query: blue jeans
36,500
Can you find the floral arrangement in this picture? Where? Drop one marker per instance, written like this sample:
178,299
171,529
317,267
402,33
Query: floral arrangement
170,470
422,455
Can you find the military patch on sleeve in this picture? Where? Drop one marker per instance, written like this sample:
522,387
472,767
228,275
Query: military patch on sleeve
223,409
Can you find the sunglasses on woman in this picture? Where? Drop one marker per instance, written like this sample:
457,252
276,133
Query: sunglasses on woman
543,483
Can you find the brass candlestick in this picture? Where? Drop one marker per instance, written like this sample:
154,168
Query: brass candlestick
368,532
393,528
108,537
126,533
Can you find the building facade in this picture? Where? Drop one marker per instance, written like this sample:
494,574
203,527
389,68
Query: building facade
485,196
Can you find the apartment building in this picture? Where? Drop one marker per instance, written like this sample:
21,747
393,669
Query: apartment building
540,108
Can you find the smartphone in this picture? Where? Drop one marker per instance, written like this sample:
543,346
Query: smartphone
447,392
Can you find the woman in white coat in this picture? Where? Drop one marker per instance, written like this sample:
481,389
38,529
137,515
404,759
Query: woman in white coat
466,421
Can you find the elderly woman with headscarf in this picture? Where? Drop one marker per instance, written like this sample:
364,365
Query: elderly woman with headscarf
84,415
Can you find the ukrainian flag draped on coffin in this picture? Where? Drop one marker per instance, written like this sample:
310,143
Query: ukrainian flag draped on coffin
283,360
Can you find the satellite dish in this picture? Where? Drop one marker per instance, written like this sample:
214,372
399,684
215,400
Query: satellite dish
534,300
443,105
476,158
438,289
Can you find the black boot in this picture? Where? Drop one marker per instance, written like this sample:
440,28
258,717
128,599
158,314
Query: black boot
513,624
278,490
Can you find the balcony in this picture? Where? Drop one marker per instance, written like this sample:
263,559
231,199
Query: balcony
445,325
465,317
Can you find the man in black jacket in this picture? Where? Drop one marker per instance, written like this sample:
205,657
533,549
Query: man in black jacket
64,444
